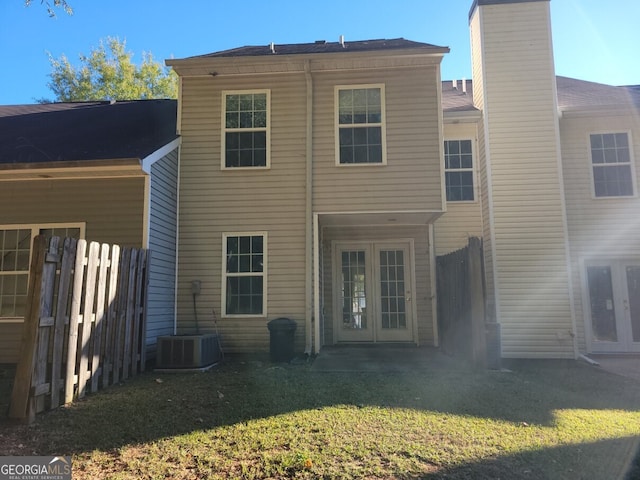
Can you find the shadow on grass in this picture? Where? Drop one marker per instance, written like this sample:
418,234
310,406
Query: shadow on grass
155,406
565,462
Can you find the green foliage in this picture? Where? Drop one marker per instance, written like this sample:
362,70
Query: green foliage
50,8
108,73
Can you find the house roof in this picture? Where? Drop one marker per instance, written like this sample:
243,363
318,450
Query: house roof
85,131
573,94
322,46
454,97
577,94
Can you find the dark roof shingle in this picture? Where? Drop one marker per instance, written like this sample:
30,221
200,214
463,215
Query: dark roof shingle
572,94
321,47
85,130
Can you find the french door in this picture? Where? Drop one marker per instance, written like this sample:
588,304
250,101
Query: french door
373,292
614,305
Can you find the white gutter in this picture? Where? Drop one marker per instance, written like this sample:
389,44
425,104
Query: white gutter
309,250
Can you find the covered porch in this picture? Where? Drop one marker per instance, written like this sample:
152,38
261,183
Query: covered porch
375,279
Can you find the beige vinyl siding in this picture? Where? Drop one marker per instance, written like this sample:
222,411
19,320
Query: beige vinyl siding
598,227
213,202
483,180
411,178
10,339
112,210
527,213
463,219
422,296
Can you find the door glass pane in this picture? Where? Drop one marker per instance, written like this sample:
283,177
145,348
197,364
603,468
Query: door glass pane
603,316
392,301
354,300
633,285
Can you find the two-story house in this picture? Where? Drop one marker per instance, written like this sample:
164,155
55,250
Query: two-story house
320,181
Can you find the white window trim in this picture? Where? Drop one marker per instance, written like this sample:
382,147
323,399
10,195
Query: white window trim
265,254
223,129
631,164
383,123
473,169
35,230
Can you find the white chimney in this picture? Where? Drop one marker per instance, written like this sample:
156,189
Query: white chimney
272,47
341,40
454,84
464,86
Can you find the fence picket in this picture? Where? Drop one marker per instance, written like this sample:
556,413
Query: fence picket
87,317
109,345
46,312
136,351
66,272
74,320
141,302
105,337
121,314
100,312
130,308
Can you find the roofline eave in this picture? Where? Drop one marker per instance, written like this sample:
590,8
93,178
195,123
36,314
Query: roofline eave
292,63
72,169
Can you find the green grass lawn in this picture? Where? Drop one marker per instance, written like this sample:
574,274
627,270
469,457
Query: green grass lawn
543,420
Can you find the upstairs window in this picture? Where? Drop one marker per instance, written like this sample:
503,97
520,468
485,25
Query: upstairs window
611,164
245,139
458,170
360,125
244,274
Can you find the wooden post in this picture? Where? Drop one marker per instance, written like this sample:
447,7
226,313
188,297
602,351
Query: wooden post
19,408
478,329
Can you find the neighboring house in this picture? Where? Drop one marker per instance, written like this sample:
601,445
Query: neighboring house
320,181
102,171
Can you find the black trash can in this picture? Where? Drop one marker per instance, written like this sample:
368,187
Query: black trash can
281,333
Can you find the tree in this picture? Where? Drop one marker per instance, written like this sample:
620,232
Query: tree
108,73
56,3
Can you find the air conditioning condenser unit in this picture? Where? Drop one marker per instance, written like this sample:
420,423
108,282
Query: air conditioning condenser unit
188,351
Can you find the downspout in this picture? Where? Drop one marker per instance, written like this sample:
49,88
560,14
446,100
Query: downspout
308,290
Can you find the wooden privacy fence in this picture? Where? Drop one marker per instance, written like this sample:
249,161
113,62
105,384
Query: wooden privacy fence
84,326
461,302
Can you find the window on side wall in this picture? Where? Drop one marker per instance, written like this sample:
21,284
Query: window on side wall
360,132
15,258
458,170
245,136
611,164
244,282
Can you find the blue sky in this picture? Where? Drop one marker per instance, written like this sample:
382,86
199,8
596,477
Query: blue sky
596,40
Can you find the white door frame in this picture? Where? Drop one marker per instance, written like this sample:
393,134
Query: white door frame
620,305
372,249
